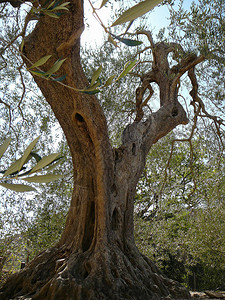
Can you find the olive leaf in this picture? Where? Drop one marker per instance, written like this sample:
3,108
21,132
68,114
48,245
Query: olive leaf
127,42
43,178
103,3
136,11
45,161
51,4
90,92
13,169
55,67
51,14
27,152
127,68
40,62
96,75
61,6
60,79
18,187
52,166
38,73
5,146
22,45
109,80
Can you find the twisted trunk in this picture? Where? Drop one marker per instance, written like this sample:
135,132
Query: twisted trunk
96,257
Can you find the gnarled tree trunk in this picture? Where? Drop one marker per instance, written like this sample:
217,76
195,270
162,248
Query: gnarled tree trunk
96,257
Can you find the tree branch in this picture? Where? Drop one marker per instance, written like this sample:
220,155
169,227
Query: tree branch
149,36
189,62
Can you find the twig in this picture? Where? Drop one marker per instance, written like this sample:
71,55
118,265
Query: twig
10,115
97,17
194,93
23,93
191,149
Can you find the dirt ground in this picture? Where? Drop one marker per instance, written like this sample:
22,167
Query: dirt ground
213,295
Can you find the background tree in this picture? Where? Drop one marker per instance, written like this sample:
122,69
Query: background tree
98,252
183,231
181,220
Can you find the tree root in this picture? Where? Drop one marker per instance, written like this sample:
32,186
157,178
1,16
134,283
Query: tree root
98,275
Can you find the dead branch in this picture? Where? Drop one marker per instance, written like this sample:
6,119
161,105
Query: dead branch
196,99
140,91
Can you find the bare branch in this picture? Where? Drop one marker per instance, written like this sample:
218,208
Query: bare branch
189,62
149,36
197,99
23,92
151,92
140,91
6,104
143,50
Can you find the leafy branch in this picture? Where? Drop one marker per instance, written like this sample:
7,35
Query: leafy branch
18,169
128,16
95,84
52,10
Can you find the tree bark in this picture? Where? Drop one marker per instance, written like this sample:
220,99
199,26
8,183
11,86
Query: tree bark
96,257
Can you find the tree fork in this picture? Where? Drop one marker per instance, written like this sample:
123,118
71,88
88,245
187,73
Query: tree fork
84,265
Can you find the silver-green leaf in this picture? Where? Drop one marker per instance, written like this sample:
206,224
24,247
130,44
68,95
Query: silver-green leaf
43,178
53,166
51,4
55,67
61,6
18,187
27,152
103,3
40,62
22,45
5,146
109,80
45,161
136,11
13,168
51,14
127,68
96,75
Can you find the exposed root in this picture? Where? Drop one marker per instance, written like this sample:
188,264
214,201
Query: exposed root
107,274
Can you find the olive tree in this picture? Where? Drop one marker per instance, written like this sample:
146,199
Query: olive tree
96,256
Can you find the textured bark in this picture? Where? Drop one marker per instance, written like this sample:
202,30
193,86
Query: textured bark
96,257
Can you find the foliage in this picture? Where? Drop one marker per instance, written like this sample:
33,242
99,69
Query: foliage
204,24
180,229
17,170
30,224
25,113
